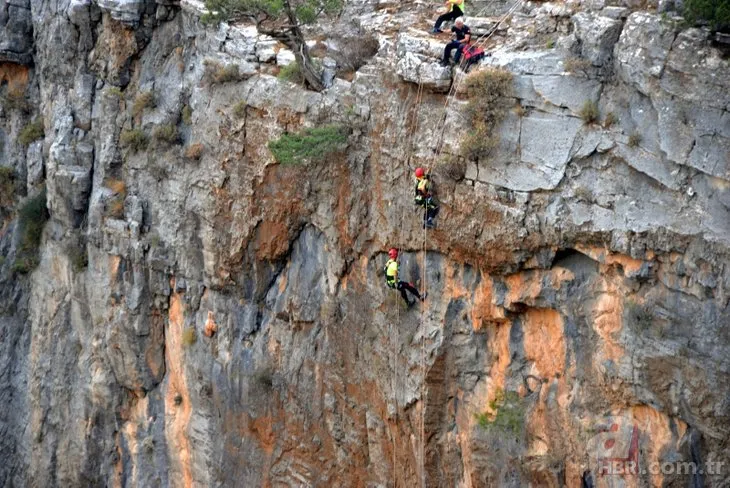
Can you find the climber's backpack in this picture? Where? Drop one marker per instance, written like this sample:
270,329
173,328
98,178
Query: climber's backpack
472,55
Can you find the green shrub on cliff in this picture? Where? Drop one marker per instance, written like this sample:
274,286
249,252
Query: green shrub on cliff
186,114
32,216
291,72
716,13
634,139
264,377
115,92
7,186
310,145
239,109
216,72
31,132
506,413
166,134
14,99
134,139
489,92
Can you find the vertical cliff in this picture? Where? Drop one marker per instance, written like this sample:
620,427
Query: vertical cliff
193,313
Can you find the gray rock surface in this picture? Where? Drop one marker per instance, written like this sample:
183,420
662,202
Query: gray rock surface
221,319
597,36
126,11
16,32
418,61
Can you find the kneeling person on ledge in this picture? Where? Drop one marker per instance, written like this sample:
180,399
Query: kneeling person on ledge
455,10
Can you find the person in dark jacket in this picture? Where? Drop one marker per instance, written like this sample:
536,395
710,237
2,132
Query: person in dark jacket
461,39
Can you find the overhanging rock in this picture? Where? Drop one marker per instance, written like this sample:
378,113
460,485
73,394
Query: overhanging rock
16,33
418,62
431,75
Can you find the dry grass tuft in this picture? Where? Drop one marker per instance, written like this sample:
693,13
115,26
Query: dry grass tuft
143,101
194,151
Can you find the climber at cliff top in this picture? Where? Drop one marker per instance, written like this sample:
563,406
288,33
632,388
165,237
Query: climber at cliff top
424,198
455,9
391,278
462,37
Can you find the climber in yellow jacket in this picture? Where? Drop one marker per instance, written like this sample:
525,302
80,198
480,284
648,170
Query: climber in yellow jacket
455,8
391,278
424,198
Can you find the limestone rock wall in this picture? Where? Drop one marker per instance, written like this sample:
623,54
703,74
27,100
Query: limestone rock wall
221,320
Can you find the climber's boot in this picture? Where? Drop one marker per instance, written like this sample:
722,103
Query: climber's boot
424,295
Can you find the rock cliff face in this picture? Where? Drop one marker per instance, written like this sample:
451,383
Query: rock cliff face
202,316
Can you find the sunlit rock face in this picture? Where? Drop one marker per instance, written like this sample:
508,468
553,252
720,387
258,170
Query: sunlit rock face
215,318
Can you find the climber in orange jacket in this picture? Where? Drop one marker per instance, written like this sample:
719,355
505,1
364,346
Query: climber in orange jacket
424,198
391,279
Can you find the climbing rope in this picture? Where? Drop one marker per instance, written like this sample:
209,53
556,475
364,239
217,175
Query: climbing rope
423,367
485,37
452,94
394,341
414,121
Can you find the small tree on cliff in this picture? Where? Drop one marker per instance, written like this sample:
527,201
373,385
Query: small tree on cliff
282,20
715,13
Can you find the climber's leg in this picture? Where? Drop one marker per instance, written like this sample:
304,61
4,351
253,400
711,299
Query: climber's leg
407,286
459,52
432,209
403,293
455,12
445,61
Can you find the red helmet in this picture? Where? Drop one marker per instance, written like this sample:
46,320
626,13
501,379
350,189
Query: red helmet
420,172
393,253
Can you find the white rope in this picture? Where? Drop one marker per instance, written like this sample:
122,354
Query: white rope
423,367
394,340
452,93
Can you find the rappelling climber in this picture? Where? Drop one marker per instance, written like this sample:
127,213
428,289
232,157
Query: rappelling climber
455,8
424,198
391,278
